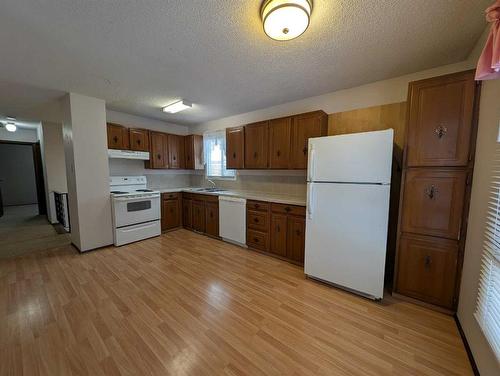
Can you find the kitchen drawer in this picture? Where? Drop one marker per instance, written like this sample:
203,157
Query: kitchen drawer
187,195
258,220
258,240
427,268
258,205
433,202
170,195
288,209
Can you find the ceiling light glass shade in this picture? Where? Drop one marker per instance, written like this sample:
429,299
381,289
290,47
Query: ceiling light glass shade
286,19
11,127
177,107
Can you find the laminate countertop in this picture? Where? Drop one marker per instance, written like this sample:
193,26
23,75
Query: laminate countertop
258,196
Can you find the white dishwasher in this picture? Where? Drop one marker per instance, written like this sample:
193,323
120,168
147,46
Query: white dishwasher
232,219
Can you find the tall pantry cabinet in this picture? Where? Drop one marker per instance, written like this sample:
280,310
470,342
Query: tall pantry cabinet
435,191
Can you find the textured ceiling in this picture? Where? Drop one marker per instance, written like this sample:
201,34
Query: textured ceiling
141,55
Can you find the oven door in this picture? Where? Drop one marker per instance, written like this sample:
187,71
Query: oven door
131,211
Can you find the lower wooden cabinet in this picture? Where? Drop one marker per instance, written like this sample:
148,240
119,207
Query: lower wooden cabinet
427,269
198,215
170,211
212,218
187,213
277,229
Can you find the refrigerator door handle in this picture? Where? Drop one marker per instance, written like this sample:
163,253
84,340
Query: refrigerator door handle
310,171
310,201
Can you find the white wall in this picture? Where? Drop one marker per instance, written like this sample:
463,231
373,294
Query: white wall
54,164
489,124
20,135
87,171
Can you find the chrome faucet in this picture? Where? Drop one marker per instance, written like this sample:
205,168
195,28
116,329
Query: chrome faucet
212,182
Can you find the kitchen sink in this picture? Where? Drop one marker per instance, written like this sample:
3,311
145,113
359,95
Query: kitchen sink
213,190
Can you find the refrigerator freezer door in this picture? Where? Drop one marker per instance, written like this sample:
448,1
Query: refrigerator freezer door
351,158
346,235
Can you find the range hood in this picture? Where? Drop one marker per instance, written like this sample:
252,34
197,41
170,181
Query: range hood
128,154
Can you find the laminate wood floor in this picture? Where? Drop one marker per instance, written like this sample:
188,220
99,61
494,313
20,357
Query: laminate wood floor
185,304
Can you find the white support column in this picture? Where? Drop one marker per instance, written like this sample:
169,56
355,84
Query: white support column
87,171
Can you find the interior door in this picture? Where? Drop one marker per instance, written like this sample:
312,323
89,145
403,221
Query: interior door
346,235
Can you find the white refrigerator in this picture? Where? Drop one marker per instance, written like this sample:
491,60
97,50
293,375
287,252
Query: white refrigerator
348,189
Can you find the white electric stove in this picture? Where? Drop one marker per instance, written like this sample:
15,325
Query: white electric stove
135,209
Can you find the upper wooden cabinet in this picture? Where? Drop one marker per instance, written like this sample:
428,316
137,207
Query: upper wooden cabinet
118,137
439,120
139,139
304,127
235,147
175,151
159,151
193,152
257,145
279,142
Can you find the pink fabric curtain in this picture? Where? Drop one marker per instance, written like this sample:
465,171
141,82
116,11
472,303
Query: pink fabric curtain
488,66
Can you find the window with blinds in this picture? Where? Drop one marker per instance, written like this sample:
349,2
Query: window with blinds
488,302
214,144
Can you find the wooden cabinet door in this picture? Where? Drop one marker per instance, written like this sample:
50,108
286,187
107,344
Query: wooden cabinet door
279,142
170,214
278,234
440,120
175,151
235,147
158,155
187,213
212,218
118,137
427,269
257,145
139,139
198,215
304,127
296,234
193,152
433,201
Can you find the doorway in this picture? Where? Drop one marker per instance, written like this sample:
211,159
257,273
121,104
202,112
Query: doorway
21,176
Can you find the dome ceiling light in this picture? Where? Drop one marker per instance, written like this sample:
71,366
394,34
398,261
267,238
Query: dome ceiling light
285,19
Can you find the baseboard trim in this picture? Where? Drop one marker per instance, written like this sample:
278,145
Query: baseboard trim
467,347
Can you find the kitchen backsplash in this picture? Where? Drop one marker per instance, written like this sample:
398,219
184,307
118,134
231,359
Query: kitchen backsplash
286,183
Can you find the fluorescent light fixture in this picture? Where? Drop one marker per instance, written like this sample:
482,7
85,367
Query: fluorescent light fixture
11,127
285,19
177,107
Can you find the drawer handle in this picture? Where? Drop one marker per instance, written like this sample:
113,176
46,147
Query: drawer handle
158,156
431,192
175,158
257,206
428,262
256,240
115,139
234,155
287,209
256,220
304,150
278,153
255,155
440,131
138,142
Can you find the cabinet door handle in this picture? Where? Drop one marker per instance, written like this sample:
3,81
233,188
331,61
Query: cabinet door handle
255,155
158,156
287,209
304,150
427,261
441,130
278,153
298,232
115,139
257,206
431,192
174,158
256,220
138,142
256,240
234,155
278,228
